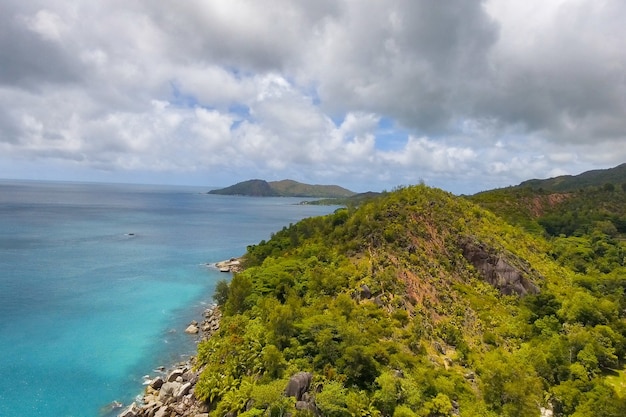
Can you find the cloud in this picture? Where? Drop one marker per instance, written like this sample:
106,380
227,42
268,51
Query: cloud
560,72
413,61
463,94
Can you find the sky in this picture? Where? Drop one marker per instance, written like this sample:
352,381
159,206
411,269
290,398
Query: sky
464,95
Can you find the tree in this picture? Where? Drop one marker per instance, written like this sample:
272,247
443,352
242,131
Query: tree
239,289
510,385
221,292
359,366
332,400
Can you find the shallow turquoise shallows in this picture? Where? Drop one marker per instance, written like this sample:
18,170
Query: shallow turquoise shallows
98,282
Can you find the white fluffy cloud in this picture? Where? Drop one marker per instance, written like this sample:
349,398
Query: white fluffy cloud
464,94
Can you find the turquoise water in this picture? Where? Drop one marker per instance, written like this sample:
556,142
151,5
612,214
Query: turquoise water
98,282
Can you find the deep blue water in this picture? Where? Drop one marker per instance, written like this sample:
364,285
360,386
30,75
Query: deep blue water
98,282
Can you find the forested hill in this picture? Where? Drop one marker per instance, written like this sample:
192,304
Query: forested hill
567,183
597,208
417,303
284,188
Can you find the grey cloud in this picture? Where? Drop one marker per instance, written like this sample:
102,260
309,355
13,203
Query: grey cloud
244,35
432,65
27,58
9,127
413,61
565,80
300,86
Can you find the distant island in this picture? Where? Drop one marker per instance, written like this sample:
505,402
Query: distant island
284,188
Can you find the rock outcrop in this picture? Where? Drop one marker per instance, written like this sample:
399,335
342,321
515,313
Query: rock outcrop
298,385
192,329
211,322
230,265
498,270
170,395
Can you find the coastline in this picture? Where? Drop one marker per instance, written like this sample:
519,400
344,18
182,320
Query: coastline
117,305
171,391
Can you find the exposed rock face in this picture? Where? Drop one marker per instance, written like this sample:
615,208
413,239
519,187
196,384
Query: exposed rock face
306,406
498,271
184,389
298,385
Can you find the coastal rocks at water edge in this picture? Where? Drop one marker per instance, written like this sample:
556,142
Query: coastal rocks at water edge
208,326
231,265
156,383
169,396
192,329
173,394
211,322
131,411
175,374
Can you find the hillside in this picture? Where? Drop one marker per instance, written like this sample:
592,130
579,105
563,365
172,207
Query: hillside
290,188
284,188
417,303
592,202
568,183
253,188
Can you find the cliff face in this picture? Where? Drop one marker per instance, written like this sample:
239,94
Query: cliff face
497,270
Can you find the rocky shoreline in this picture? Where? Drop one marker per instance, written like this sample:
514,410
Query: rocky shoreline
232,265
172,395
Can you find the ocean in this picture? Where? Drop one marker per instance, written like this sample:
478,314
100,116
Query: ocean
99,281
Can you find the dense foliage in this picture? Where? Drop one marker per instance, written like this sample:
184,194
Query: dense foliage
582,212
380,304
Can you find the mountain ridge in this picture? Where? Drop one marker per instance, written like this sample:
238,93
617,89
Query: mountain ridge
568,205
593,178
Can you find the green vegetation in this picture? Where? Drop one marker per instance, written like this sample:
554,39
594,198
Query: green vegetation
284,188
614,177
577,213
382,306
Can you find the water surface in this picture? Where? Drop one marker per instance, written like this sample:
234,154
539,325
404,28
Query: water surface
98,282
